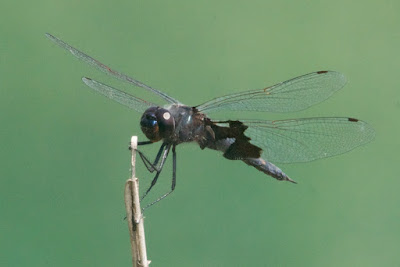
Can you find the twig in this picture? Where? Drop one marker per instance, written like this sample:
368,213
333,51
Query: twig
134,214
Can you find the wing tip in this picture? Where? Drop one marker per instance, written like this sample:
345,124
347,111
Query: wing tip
365,127
341,77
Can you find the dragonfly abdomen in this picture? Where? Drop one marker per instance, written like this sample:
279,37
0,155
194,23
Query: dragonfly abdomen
267,168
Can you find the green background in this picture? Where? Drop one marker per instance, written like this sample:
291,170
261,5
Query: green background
64,157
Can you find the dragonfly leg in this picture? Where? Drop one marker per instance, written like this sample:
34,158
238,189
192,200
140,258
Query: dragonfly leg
158,170
145,143
151,167
173,180
142,143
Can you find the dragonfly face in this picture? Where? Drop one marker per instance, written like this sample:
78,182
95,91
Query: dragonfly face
157,123
257,143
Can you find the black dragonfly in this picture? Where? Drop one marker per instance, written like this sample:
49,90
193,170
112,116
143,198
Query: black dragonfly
257,143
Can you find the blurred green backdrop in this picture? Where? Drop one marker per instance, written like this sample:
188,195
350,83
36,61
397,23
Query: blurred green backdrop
64,150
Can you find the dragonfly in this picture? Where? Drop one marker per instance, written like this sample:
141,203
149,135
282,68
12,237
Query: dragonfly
258,143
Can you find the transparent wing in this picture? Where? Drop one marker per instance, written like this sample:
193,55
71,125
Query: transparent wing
293,95
301,140
119,96
100,66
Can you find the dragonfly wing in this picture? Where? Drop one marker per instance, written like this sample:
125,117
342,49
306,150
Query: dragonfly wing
100,66
292,95
119,96
302,140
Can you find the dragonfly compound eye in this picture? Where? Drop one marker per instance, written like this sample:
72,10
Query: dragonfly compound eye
157,123
149,124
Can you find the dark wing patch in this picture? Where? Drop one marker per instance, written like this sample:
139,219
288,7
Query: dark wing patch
241,147
242,150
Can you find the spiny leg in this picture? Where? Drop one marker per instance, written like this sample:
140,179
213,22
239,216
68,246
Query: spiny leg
173,179
154,181
142,143
144,158
151,167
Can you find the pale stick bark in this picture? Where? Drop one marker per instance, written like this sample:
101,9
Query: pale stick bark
134,214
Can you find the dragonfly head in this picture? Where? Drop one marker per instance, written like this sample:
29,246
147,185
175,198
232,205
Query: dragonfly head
157,123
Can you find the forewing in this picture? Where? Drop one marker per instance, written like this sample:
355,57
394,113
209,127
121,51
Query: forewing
292,95
301,140
100,66
119,96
